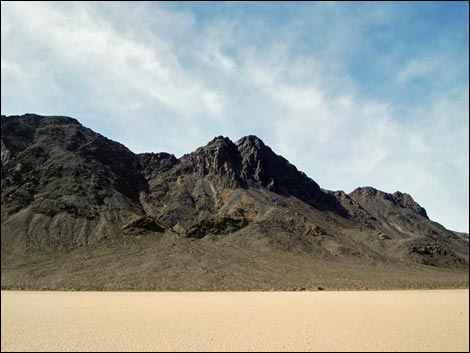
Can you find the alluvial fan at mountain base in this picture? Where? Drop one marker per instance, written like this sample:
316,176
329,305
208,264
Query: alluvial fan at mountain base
80,211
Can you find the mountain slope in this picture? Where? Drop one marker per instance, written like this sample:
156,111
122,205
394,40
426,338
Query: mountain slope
70,193
63,185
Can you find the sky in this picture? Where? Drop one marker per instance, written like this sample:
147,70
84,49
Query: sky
353,94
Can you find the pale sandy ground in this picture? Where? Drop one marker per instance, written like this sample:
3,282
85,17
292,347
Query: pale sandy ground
321,321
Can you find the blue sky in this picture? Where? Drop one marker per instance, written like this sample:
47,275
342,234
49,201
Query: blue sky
353,94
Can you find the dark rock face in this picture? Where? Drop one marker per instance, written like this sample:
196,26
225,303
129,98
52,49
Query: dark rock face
65,186
143,223
152,164
406,201
219,158
435,254
397,199
223,225
261,167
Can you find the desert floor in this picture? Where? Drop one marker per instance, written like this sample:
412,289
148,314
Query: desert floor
425,320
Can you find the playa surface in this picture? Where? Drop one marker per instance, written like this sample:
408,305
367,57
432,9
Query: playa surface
434,320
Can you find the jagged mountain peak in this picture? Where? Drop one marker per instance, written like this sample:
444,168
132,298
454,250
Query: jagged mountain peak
40,120
405,200
396,199
367,191
250,140
219,158
220,140
218,145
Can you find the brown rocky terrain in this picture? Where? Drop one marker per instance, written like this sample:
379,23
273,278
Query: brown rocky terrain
80,211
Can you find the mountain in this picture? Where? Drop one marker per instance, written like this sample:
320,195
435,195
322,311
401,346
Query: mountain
80,211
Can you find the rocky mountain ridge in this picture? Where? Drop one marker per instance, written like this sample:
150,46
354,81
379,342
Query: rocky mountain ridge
66,187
